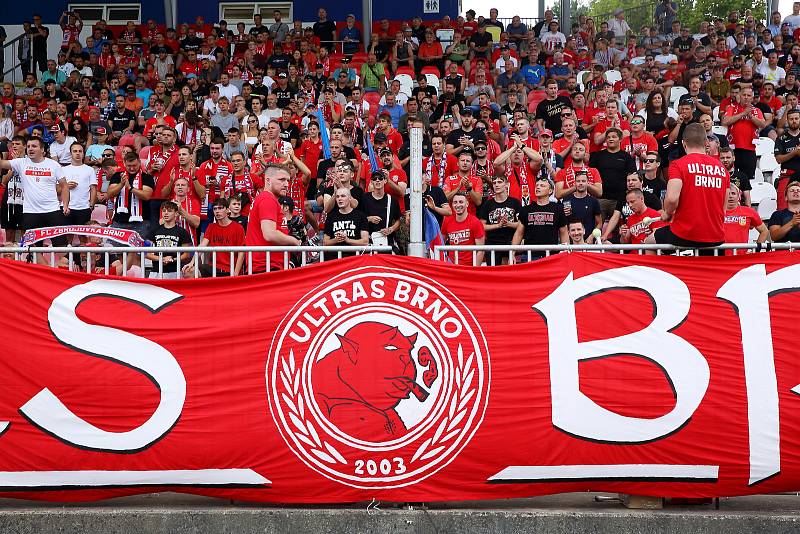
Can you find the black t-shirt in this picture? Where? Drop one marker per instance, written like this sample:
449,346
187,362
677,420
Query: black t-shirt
582,208
474,134
614,169
542,223
683,45
290,134
741,179
780,218
161,236
352,224
785,144
191,43
147,181
657,187
429,90
284,96
491,212
650,200
550,112
372,206
325,30
120,121
255,31
481,40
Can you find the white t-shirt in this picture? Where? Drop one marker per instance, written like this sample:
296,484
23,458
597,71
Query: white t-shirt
39,182
85,177
230,91
60,151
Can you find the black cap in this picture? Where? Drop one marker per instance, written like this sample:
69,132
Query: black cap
384,150
380,137
466,111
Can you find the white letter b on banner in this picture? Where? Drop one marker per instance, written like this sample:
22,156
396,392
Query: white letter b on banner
684,366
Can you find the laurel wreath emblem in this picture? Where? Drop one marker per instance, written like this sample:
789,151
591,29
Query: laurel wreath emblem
450,425
305,431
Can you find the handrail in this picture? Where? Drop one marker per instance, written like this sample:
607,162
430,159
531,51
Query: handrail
16,61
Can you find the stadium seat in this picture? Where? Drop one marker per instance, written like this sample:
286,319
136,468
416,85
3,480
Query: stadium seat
768,164
430,70
715,115
582,75
406,82
761,191
374,101
676,92
405,70
433,81
767,207
764,146
534,97
720,130
759,177
613,76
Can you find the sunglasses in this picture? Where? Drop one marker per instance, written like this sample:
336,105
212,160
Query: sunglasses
426,102
650,160
378,178
637,122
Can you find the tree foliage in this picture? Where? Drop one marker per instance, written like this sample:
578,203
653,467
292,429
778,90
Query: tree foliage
691,12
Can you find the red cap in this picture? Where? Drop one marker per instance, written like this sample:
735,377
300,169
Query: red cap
546,132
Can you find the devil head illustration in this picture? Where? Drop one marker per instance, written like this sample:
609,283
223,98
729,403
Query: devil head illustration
361,383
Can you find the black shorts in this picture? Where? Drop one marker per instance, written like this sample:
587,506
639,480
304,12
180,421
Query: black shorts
43,220
11,216
664,236
79,216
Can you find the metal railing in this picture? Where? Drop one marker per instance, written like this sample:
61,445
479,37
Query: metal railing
10,49
529,22
119,260
497,254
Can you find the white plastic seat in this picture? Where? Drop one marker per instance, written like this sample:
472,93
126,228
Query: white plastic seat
768,163
676,92
581,77
613,76
719,130
759,177
406,83
433,81
766,208
764,146
761,191
715,115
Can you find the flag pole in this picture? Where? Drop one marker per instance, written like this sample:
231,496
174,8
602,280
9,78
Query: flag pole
416,245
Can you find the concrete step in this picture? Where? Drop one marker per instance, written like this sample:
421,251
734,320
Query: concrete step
561,514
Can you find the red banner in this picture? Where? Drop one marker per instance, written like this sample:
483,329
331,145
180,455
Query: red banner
406,380
119,235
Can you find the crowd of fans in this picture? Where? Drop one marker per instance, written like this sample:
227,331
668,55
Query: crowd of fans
531,135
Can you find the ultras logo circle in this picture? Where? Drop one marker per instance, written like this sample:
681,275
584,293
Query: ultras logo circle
378,378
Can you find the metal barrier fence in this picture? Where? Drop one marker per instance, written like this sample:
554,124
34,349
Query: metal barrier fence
510,254
203,262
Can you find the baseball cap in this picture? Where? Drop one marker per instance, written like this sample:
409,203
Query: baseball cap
546,132
345,60
283,75
56,128
319,66
100,130
385,150
380,137
466,111
131,89
191,75
377,175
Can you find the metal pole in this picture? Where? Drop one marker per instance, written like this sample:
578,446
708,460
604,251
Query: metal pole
566,17
416,245
366,17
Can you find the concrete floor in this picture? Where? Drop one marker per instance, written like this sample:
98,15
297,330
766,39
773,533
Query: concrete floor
562,514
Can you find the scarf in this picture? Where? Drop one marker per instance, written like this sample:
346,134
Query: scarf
129,203
521,176
185,135
441,169
188,205
244,185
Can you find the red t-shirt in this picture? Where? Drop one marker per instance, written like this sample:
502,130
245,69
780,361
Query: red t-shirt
440,170
742,132
454,183
169,159
638,230
265,208
738,223
218,170
646,142
601,127
465,232
231,235
701,210
309,153
567,175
